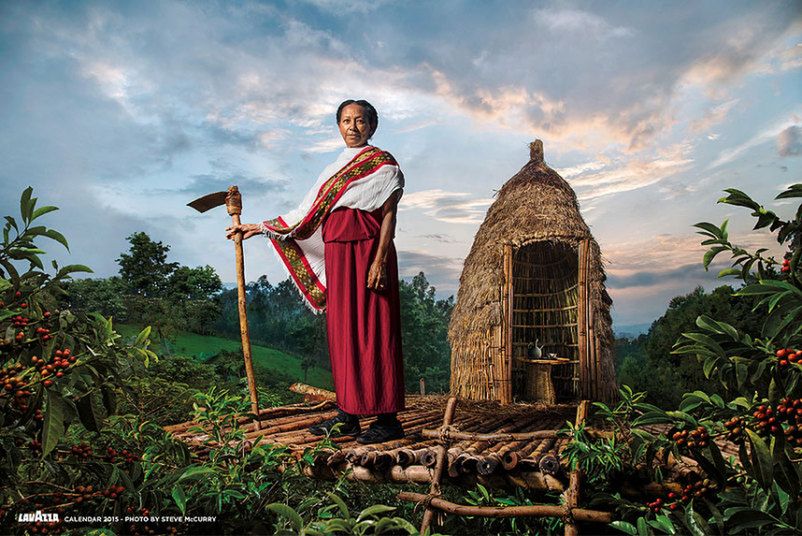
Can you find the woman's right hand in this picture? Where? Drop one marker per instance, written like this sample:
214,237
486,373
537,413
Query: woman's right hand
248,230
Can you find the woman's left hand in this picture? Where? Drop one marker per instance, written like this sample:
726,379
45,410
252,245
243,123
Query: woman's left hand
377,276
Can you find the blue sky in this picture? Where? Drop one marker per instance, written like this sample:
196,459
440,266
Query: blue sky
122,112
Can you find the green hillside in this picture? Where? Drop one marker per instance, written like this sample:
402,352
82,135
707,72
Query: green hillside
205,346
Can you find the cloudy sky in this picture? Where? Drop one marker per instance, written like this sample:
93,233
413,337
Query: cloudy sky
122,112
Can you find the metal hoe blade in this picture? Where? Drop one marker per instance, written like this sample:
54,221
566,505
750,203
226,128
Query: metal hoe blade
209,201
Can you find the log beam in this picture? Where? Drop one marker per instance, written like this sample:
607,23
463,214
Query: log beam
535,510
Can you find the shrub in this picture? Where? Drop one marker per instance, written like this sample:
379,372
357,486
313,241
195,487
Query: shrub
759,410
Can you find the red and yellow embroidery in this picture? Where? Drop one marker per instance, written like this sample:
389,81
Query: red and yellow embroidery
305,278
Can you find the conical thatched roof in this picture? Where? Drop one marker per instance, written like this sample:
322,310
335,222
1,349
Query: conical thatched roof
536,204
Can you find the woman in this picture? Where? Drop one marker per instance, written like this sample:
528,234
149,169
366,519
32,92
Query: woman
338,248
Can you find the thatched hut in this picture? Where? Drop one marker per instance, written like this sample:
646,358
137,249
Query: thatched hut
532,318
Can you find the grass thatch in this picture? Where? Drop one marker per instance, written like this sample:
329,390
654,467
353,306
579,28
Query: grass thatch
535,208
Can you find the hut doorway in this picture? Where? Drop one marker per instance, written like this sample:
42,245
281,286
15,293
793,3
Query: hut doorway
544,337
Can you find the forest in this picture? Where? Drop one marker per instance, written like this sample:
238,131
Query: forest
94,368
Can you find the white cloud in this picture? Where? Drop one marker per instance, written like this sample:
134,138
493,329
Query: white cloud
713,116
347,7
325,146
580,22
450,207
769,133
624,175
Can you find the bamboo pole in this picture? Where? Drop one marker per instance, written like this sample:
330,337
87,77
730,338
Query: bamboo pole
534,480
592,357
378,459
294,426
547,310
501,447
488,464
545,294
544,326
502,450
512,436
434,489
313,392
549,464
572,493
493,437
469,458
511,459
505,393
582,335
412,474
537,449
536,510
301,407
234,208
453,467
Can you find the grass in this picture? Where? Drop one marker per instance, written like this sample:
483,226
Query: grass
264,357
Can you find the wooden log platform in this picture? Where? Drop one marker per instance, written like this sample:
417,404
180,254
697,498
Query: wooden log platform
477,455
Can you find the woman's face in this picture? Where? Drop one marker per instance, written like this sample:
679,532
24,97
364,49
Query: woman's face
354,126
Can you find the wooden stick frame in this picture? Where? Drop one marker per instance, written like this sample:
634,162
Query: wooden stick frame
571,495
569,511
434,489
510,436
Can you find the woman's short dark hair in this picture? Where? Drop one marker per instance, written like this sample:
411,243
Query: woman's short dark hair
370,112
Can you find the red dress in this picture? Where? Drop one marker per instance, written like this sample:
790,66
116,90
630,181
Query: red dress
364,325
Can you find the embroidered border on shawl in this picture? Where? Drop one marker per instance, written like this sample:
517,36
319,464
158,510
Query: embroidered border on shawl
301,272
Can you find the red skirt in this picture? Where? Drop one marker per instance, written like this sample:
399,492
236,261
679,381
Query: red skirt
364,325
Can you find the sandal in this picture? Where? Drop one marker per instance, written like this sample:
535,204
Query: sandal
379,433
349,425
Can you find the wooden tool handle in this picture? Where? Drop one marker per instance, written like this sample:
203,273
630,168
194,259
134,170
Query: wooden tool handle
243,315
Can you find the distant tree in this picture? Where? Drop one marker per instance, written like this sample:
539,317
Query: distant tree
145,269
646,363
200,283
106,296
192,296
424,328
152,291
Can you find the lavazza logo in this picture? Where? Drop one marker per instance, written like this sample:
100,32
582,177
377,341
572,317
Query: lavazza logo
38,516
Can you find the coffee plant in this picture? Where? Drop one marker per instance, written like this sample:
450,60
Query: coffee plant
675,457
335,518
